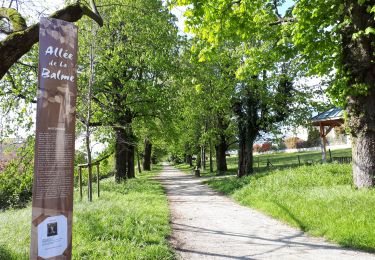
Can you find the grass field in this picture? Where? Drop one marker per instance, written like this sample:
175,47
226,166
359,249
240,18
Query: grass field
290,159
278,160
129,221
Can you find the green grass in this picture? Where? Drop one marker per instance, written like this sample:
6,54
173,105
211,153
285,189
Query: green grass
278,160
129,221
318,199
287,159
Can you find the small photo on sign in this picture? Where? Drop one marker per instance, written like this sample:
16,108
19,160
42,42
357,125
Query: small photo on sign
51,229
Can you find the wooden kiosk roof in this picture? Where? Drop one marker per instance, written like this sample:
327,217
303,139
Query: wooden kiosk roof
332,117
326,122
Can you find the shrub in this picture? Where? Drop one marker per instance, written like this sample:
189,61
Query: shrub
266,147
16,180
294,143
313,138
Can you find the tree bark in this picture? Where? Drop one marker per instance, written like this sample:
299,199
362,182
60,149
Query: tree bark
15,45
245,156
358,56
147,155
130,162
189,160
203,157
120,154
222,146
221,159
247,113
198,161
139,162
88,119
211,161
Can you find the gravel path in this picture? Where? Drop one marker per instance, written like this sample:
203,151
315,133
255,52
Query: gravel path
207,225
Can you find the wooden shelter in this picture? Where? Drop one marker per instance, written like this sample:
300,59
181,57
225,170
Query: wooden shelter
326,121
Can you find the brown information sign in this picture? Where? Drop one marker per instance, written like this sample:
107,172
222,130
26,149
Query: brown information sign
52,208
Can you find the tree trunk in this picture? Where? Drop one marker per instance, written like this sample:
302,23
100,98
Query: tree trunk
247,133
203,155
120,154
147,155
245,156
198,161
139,162
88,119
358,56
362,124
221,147
189,160
211,161
130,162
221,160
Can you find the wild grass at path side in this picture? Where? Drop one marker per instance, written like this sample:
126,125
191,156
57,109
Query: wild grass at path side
129,221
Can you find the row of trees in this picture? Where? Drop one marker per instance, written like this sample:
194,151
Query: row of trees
144,87
331,39
127,72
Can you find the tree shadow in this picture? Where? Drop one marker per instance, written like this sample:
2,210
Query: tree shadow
300,224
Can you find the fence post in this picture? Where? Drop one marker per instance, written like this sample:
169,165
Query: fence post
89,183
258,162
98,178
299,160
80,181
330,155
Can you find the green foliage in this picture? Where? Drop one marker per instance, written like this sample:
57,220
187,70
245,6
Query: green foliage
17,178
318,199
17,93
313,137
129,221
134,54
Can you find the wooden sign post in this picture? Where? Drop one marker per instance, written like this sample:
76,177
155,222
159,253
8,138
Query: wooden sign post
52,207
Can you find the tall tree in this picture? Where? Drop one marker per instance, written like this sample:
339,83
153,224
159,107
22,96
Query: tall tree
336,38
134,61
265,66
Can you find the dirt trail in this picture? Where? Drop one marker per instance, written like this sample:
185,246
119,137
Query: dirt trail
207,225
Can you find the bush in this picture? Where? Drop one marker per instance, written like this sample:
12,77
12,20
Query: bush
266,147
294,143
16,181
313,138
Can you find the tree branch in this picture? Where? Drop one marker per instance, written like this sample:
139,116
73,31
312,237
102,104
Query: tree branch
276,9
15,45
14,86
284,20
14,17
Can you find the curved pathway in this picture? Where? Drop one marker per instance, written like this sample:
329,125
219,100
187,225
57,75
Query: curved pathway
207,225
